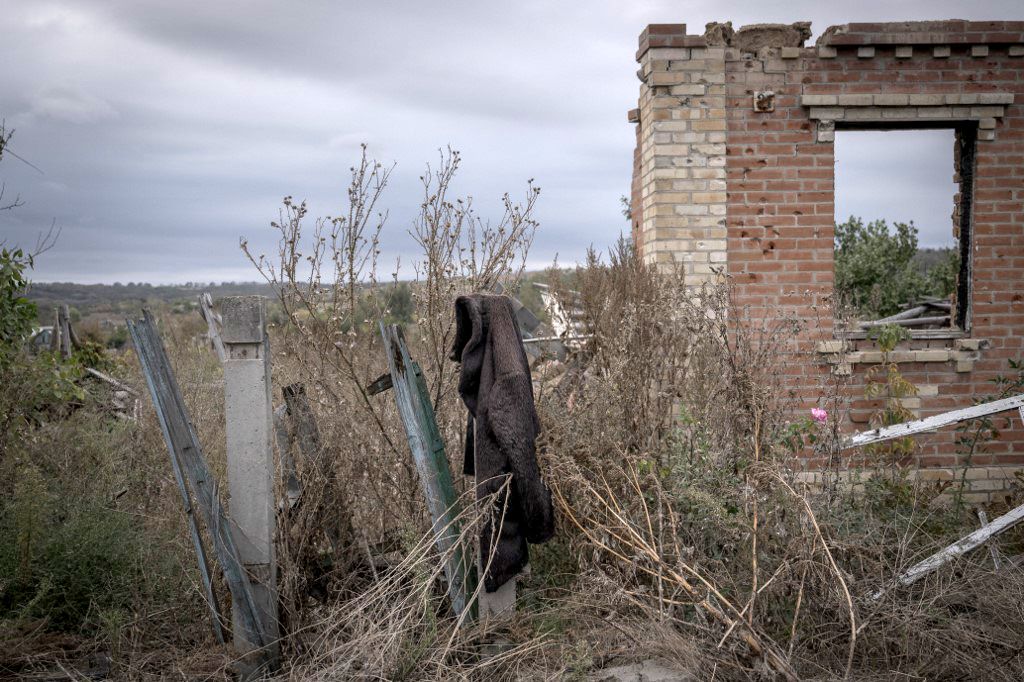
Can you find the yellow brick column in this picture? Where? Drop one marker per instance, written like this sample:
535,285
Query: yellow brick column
682,162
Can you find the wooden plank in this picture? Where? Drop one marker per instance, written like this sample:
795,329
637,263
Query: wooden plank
958,548
73,335
213,322
292,485
913,322
110,380
337,526
184,446
931,423
993,552
304,427
906,314
64,325
435,476
379,385
186,500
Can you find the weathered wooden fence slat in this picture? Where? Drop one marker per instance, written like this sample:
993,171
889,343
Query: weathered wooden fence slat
959,548
304,427
64,330
427,448
187,457
931,423
305,434
213,322
292,485
186,500
992,551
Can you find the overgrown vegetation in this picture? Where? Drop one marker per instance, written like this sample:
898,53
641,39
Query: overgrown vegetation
671,447
879,270
89,545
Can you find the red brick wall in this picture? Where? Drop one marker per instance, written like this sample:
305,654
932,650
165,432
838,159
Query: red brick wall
780,204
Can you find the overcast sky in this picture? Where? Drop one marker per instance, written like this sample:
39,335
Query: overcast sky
166,130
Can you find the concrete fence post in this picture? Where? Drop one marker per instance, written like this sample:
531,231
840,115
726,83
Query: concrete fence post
249,430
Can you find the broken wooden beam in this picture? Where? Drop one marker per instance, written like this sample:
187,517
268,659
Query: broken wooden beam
911,322
428,453
64,331
306,436
904,315
292,486
379,385
213,323
190,466
958,548
114,383
931,423
993,552
304,427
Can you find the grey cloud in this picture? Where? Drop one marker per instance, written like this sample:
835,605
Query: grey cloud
167,130
70,104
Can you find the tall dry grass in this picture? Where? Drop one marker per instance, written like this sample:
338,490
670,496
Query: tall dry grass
671,449
669,444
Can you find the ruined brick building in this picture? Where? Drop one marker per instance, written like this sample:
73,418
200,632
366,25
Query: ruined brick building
734,178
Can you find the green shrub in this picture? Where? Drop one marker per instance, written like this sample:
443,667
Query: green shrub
16,312
878,269
70,560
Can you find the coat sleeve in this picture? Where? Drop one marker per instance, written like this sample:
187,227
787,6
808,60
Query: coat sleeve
513,420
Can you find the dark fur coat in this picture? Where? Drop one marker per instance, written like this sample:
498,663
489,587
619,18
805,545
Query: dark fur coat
496,387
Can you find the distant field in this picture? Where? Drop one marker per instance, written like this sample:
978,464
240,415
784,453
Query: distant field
118,299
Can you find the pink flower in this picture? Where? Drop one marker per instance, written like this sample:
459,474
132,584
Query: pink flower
819,415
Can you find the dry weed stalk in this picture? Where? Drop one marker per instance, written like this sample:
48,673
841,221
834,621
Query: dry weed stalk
819,538
460,253
330,298
639,545
396,628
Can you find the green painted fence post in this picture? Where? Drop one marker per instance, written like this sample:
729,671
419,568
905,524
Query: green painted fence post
427,448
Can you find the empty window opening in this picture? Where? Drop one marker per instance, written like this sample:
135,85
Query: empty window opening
903,229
